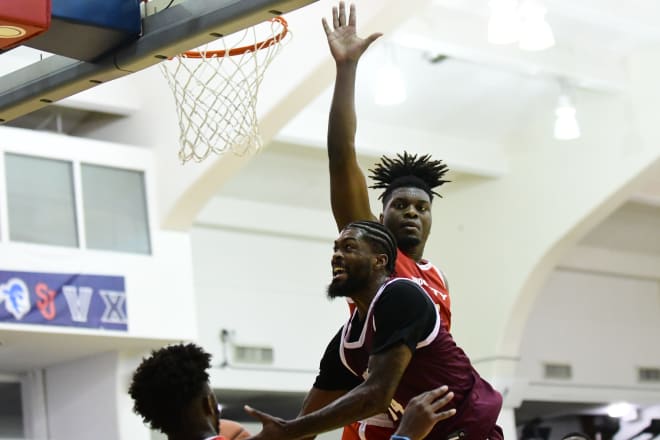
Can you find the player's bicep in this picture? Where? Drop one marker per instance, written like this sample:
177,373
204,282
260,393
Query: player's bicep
348,193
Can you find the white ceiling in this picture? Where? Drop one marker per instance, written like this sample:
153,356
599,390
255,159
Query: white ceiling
482,95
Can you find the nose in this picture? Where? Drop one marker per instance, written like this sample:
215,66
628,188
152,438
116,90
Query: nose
411,211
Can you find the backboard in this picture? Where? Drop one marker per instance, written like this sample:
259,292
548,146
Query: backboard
30,80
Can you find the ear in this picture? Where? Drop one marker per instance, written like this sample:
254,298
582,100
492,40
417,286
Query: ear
380,218
381,261
209,404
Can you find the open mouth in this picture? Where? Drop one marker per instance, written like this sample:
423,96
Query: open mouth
338,272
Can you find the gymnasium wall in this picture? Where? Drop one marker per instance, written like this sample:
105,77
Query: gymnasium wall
266,286
158,284
604,326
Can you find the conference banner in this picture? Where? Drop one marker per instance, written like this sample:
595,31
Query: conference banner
67,300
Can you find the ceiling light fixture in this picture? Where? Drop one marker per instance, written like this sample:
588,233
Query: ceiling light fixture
622,410
566,124
535,32
504,22
524,23
389,87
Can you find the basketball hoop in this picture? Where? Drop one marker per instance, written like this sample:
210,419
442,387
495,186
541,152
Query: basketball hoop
216,91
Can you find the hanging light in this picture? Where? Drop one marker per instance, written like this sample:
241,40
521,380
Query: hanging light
566,124
389,87
535,32
622,410
504,22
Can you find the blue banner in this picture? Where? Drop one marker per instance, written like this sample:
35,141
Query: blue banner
69,300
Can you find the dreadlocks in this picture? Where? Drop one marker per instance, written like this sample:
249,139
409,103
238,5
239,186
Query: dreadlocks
408,170
167,382
379,237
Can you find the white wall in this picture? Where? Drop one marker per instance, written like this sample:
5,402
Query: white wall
159,282
81,399
604,326
268,289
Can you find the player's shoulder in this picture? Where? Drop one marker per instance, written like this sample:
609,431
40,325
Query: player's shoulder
401,286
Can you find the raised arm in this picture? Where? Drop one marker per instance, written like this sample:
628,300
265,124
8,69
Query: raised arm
371,397
348,185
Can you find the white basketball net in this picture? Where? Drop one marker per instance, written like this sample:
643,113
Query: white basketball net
216,96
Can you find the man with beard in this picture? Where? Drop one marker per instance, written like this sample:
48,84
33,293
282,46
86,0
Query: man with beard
391,349
408,182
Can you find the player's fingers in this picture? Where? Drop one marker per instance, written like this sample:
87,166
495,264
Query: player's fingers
342,13
261,416
352,17
435,393
443,415
335,17
373,37
441,402
326,26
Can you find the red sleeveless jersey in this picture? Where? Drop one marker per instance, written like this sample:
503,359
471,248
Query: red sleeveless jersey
429,278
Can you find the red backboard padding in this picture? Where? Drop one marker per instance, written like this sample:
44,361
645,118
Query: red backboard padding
21,20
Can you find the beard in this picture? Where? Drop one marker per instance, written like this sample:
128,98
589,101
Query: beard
348,287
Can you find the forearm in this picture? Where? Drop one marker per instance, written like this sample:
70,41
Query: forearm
342,123
362,402
317,399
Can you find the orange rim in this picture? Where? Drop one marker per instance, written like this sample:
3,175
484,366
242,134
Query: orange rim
241,50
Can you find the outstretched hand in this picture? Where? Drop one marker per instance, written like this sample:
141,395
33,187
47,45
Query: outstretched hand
345,45
272,427
423,412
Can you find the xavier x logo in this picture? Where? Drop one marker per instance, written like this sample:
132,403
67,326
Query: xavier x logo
115,308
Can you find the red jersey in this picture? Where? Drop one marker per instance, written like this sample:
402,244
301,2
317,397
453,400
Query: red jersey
429,278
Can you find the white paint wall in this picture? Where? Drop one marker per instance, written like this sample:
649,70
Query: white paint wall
81,399
269,290
605,326
87,398
159,282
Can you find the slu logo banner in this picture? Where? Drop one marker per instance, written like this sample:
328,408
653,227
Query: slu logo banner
70,300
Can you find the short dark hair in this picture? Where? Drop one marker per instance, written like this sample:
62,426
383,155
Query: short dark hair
165,383
408,170
380,238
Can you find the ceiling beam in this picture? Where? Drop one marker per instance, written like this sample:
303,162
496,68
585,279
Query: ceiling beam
466,156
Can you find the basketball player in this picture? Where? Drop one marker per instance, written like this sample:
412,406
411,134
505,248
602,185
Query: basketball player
408,182
393,347
171,392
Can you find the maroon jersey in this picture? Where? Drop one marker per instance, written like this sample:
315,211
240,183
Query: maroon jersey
436,361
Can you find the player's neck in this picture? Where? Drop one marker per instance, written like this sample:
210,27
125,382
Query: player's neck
416,253
364,297
195,431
